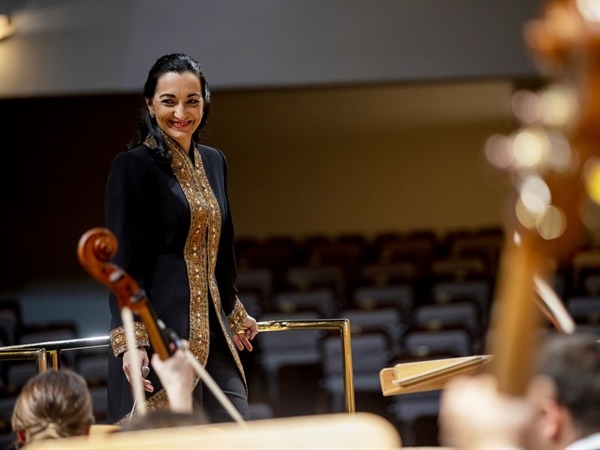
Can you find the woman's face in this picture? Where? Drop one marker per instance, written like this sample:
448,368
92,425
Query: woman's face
177,105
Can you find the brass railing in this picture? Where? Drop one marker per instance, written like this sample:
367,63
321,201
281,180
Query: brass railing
45,351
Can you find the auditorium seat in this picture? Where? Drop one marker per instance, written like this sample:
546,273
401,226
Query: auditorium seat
479,291
482,244
10,321
99,396
299,392
51,331
391,274
321,301
341,251
383,238
585,266
289,243
93,365
287,348
306,245
370,353
459,268
451,315
348,254
304,278
259,254
418,250
18,372
383,320
585,310
355,238
7,403
373,297
412,412
446,342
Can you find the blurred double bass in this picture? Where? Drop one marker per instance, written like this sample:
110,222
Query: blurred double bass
553,163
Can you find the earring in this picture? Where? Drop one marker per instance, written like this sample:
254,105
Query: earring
151,115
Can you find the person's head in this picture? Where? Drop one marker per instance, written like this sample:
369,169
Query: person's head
52,405
177,99
567,389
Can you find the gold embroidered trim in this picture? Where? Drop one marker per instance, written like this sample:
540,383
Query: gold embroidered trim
237,316
201,249
157,401
119,343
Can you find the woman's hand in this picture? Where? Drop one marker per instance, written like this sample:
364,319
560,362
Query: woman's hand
243,337
143,357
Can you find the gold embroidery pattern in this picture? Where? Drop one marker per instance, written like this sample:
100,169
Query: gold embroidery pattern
201,249
195,251
237,316
118,342
157,401
213,246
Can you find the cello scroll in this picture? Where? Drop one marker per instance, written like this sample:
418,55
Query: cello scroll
96,247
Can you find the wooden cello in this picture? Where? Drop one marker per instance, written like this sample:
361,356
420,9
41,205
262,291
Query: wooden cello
95,250
553,162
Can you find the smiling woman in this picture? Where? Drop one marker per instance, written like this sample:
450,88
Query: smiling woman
166,202
177,106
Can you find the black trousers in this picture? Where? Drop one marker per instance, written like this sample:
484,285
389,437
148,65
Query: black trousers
223,370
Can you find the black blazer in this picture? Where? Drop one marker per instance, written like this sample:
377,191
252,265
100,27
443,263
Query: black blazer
149,214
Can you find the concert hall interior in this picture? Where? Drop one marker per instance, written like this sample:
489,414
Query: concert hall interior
356,136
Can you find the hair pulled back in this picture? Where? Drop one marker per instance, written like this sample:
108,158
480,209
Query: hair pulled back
52,405
177,63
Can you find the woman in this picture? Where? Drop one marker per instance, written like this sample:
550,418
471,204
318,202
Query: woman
166,201
52,405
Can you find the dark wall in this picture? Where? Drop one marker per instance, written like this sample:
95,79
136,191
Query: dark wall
57,152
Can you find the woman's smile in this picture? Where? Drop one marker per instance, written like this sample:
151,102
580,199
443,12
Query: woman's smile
181,124
177,106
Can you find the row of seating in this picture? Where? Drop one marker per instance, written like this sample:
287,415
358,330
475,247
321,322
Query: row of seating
447,298
351,248
267,277
392,317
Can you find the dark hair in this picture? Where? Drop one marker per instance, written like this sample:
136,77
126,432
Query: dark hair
573,364
178,63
